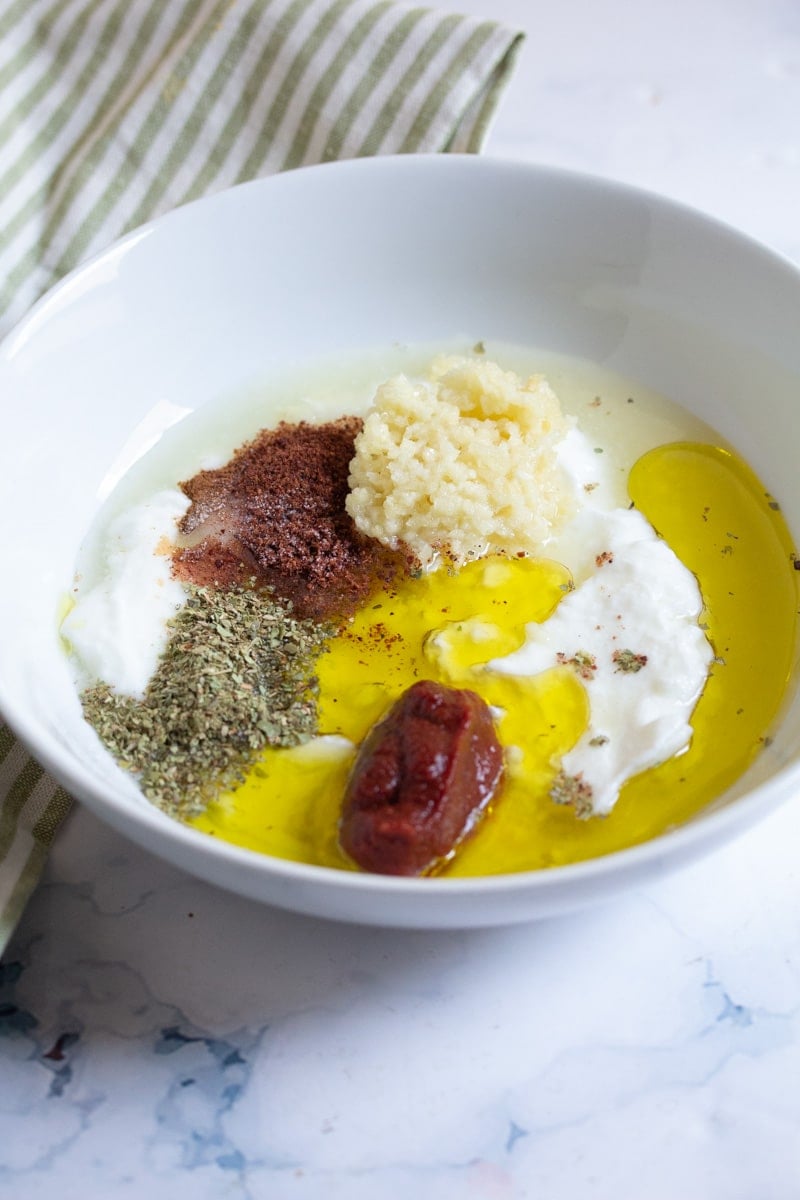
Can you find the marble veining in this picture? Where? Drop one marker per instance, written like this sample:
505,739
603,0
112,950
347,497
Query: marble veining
157,1034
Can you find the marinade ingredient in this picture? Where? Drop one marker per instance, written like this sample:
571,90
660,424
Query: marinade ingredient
117,625
237,675
421,780
276,511
460,464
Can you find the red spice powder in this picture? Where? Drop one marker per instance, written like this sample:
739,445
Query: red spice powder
275,512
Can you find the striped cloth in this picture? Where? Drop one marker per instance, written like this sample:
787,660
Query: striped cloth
114,111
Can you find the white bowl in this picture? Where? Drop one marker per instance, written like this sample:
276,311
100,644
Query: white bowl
204,302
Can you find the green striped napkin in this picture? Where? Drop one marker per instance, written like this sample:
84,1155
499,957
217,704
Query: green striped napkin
114,111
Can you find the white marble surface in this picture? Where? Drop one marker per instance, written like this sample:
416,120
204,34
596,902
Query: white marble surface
160,1038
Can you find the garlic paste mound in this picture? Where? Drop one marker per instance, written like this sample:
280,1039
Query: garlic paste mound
461,463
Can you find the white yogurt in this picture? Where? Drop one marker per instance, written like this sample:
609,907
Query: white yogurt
118,627
635,605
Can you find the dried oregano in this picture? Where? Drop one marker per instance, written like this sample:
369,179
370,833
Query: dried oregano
574,791
237,675
628,662
582,662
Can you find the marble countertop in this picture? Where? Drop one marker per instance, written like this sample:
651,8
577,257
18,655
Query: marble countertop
162,1038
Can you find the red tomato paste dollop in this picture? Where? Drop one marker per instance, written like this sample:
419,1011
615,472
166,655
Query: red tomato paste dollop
421,780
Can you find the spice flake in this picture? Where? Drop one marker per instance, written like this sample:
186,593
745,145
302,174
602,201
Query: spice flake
583,664
628,662
573,791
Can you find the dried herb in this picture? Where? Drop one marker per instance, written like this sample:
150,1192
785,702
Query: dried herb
582,662
628,662
573,790
237,675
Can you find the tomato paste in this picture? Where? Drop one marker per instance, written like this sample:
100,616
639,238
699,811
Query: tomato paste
421,780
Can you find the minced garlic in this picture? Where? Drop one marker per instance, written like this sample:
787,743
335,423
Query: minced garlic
461,463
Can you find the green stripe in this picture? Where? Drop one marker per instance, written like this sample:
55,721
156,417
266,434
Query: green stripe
137,153
14,802
193,126
49,823
250,92
384,58
13,16
494,89
7,743
38,145
17,276
293,76
21,892
328,80
37,92
386,117
425,117
28,53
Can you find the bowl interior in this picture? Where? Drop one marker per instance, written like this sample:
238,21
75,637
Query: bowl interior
225,293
